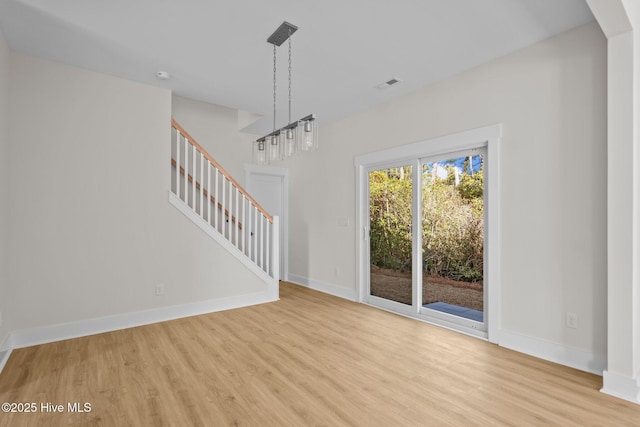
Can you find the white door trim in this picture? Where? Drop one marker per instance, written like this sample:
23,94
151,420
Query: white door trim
283,173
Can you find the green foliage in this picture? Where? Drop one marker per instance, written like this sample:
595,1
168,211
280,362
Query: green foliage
452,232
390,218
452,223
471,187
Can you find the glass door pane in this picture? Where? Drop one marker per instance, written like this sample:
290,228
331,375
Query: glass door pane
390,210
453,236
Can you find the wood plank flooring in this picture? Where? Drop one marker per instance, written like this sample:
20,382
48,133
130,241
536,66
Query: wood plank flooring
309,359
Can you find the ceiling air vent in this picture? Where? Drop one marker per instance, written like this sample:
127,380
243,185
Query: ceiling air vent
388,83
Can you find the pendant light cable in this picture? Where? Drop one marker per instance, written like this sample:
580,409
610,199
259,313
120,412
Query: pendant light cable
289,76
274,87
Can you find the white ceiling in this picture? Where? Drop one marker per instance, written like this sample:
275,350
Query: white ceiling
216,51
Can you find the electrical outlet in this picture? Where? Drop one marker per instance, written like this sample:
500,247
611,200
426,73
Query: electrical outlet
159,290
572,320
337,272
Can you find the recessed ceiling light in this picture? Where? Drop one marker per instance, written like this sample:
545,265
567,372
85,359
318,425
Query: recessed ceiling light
163,75
388,83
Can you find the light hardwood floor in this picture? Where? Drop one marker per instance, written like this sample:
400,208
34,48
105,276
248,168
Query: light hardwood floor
308,359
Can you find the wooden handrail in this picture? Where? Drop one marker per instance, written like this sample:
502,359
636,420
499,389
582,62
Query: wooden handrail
206,193
193,142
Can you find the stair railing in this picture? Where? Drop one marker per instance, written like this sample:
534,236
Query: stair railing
204,186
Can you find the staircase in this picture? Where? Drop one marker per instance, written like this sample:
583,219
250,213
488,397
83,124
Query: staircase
206,193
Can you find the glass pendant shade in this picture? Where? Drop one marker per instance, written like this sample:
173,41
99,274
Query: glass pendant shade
309,135
291,142
260,153
315,131
275,147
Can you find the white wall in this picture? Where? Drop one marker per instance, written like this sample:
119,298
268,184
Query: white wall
633,9
217,129
551,100
4,187
92,232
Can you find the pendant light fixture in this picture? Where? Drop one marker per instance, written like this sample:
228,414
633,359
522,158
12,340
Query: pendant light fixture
297,136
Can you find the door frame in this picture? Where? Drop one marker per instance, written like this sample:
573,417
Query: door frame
489,137
250,171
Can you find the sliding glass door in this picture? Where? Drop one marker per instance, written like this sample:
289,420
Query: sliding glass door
426,245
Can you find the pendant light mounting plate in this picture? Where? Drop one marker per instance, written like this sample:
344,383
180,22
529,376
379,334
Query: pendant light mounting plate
281,35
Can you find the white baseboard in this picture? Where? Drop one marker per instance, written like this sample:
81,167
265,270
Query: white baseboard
553,352
621,386
327,288
52,333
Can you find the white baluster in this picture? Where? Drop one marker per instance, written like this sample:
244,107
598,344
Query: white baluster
267,245
244,226
209,192
275,246
223,202
202,185
261,241
259,237
250,233
255,234
177,163
229,207
193,177
186,164
236,212
216,199
229,210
